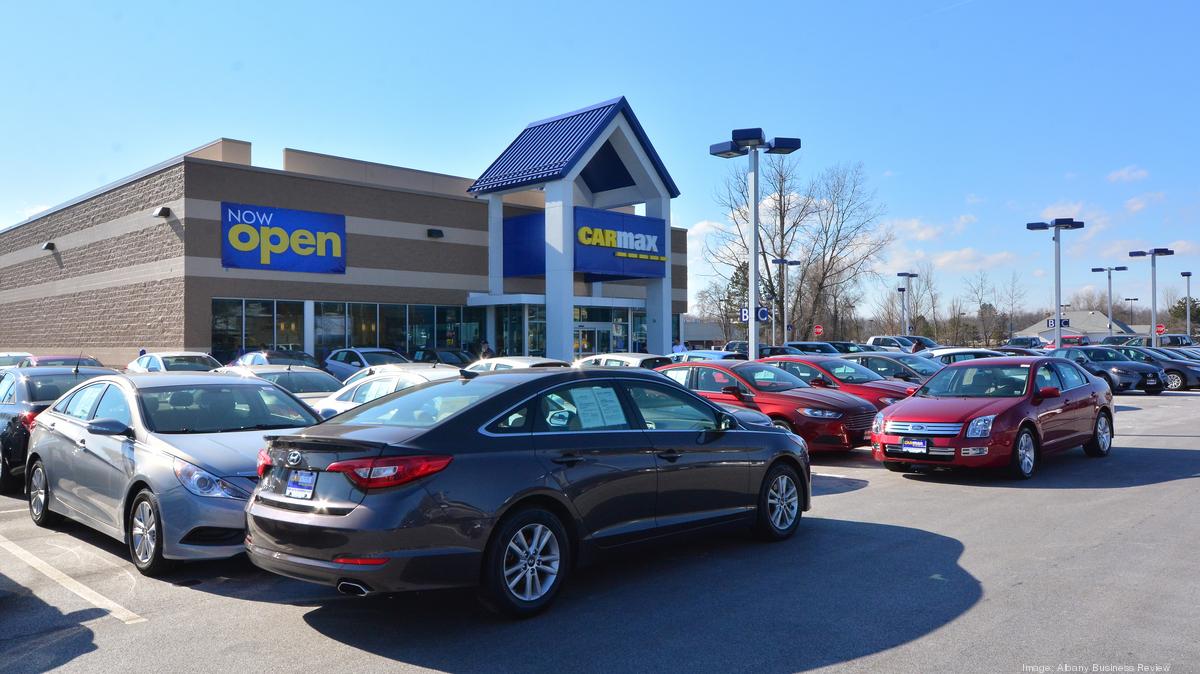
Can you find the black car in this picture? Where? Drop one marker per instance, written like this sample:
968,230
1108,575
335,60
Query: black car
902,366
1182,373
24,393
853,347
506,480
1115,368
1024,342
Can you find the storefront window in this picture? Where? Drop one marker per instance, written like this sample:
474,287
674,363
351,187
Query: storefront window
620,330
473,328
537,329
364,325
420,327
226,329
638,331
260,324
289,325
329,328
448,329
510,330
393,327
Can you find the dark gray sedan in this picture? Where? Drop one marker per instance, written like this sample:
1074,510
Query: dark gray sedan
506,480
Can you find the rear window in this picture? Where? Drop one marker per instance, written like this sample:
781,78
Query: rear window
652,363
47,388
221,408
10,360
68,362
422,406
291,358
189,363
303,382
383,357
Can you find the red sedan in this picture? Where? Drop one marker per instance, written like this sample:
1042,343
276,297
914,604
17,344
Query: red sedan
845,376
996,413
827,420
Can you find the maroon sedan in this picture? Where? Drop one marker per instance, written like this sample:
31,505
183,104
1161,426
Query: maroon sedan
845,376
996,413
827,420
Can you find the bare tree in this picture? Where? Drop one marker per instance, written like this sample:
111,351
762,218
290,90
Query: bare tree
981,296
1011,295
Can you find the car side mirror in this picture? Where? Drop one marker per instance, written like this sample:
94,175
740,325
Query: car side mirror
726,422
737,392
1047,392
820,382
326,413
109,427
558,419
910,390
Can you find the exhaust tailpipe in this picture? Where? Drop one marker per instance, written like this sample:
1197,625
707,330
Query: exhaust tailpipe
352,588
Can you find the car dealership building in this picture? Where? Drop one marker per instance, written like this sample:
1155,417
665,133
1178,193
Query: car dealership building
542,255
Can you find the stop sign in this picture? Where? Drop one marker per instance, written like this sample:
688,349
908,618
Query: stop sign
818,330
1160,329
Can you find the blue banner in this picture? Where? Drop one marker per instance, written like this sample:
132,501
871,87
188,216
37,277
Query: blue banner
282,239
619,245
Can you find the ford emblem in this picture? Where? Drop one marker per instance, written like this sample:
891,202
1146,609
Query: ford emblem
293,458
915,427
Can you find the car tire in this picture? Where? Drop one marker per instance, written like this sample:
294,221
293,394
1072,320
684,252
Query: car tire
144,535
8,481
779,505
1176,381
39,496
527,548
898,466
1102,434
1024,455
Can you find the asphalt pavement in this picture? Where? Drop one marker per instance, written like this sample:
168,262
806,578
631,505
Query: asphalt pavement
1092,563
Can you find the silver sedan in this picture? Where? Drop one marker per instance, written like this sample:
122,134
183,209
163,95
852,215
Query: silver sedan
163,462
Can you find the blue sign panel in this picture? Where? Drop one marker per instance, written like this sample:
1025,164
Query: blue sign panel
611,245
282,239
525,245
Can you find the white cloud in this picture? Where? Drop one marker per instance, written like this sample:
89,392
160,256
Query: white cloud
1138,203
1038,273
1063,209
968,259
973,199
961,222
31,211
1183,247
1128,174
700,267
1120,248
914,229
888,173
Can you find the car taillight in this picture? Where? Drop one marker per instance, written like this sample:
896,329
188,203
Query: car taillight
361,561
264,462
388,471
27,419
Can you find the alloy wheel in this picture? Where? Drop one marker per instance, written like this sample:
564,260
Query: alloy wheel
144,532
1026,453
37,492
1174,381
783,502
531,562
1103,433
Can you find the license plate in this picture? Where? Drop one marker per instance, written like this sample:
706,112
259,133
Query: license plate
300,484
1151,380
914,445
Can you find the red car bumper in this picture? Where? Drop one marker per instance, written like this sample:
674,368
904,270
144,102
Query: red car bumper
957,451
831,436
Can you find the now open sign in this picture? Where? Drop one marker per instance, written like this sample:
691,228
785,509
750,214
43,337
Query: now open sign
282,239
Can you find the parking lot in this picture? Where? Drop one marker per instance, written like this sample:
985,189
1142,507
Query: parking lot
1090,563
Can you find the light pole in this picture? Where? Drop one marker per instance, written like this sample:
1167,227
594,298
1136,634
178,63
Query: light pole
748,141
1187,307
1131,300
784,263
1153,254
1058,224
906,275
1109,270
903,309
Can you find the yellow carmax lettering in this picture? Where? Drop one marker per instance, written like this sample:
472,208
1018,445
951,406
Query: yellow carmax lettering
584,235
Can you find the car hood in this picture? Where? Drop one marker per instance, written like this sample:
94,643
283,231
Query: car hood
1140,368
948,410
843,402
888,386
222,454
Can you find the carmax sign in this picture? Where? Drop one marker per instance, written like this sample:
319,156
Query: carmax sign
282,239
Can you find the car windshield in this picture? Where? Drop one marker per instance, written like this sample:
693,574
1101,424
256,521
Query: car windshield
768,377
10,360
925,341
383,357
850,372
977,381
923,366
68,362
303,382
189,363
902,341
452,357
422,406
1163,353
221,408
1105,355
658,361
44,388
292,358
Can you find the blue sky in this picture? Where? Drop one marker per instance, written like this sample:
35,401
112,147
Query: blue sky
971,118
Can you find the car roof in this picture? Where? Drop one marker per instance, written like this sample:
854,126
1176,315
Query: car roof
633,355
169,354
711,352
61,369
376,349
555,375
958,349
162,379
1004,361
255,369
47,356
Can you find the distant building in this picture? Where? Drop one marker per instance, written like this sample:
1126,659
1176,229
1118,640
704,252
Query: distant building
1094,324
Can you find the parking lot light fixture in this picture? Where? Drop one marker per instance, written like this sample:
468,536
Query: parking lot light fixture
1187,303
1153,254
1109,271
906,275
1131,300
784,263
1058,224
749,142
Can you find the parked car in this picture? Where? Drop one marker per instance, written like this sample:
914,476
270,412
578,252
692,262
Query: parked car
1190,353
891,343
387,380
1070,340
1180,373
162,462
306,383
344,362
1115,340
996,413
277,357
705,354
173,361
843,375
457,357
853,347
24,393
764,350
59,361
446,485
1168,339
827,420
810,347
1032,342
645,360
1117,370
903,366
737,346
9,359
1018,351
515,362
949,355
921,343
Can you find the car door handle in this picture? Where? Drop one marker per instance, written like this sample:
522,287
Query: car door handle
568,459
82,442
669,455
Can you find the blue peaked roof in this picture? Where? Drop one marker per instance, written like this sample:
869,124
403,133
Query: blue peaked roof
547,150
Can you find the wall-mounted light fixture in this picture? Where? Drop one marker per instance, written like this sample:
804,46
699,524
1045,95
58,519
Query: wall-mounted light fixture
49,245
435,233
162,212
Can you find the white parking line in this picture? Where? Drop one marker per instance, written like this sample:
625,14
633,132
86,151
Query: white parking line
88,594
18,510
840,477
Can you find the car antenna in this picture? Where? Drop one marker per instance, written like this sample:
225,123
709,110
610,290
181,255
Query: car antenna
76,370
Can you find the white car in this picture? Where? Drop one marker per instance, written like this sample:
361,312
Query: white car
173,361
378,385
891,343
646,360
306,383
515,363
949,355
12,358
396,367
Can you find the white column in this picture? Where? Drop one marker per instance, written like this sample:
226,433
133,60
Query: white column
489,330
310,327
658,291
495,245
560,269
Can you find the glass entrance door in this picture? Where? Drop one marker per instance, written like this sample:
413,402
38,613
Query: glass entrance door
585,342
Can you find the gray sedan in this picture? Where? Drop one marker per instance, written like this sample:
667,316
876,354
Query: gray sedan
163,462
